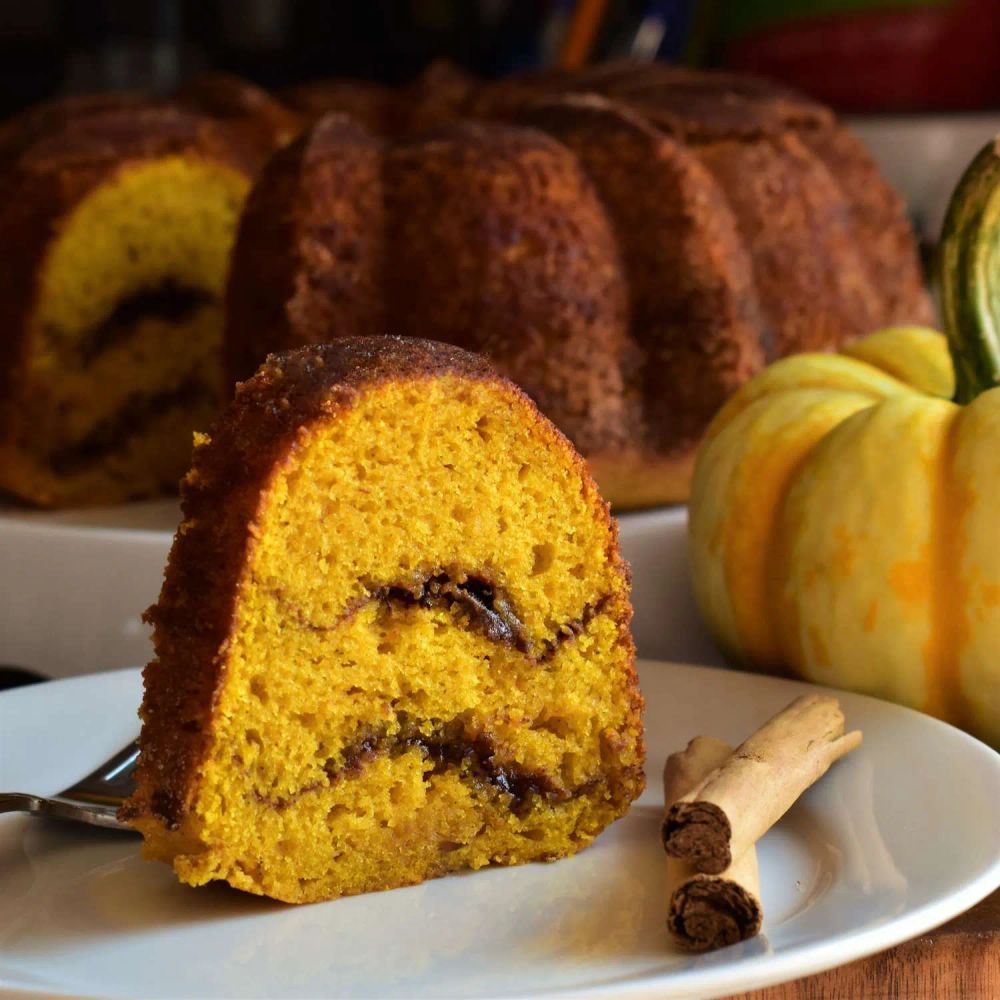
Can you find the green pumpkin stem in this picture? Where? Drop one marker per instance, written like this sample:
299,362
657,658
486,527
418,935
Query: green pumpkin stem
969,274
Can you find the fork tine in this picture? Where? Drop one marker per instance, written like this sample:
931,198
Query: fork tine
94,799
38,805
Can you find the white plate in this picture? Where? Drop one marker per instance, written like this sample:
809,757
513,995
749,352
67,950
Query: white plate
897,838
95,571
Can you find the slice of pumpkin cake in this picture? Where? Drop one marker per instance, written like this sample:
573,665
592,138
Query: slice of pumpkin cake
117,219
393,637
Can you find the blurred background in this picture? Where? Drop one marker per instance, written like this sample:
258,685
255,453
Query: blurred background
858,55
920,79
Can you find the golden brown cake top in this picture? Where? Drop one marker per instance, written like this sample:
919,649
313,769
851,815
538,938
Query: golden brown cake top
442,93
383,210
525,265
215,110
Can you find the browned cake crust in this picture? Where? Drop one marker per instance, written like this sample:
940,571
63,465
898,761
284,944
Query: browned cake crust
726,112
697,335
319,201
882,232
543,263
736,110
710,105
787,134
441,94
220,497
497,241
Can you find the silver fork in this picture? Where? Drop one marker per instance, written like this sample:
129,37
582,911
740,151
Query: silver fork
94,799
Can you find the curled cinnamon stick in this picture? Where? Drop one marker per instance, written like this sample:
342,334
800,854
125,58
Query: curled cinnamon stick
708,911
734,806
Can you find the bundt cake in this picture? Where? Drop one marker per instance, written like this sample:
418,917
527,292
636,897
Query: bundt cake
116,224
629,244
393,636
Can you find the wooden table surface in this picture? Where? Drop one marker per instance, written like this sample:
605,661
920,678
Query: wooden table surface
958,961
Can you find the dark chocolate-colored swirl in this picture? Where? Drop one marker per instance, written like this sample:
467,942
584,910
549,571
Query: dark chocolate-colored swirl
485,604
130,420
452,745
168,301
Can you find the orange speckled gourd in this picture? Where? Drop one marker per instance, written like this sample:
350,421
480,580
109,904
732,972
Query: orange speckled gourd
843,522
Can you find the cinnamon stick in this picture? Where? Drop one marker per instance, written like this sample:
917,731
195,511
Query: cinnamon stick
740,800
708,911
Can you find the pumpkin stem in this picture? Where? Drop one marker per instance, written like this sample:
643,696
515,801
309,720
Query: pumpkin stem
969,275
